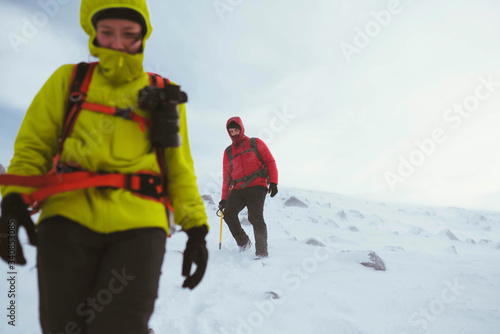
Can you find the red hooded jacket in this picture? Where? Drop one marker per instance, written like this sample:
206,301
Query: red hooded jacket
247,163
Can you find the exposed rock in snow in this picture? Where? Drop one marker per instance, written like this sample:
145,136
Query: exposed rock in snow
329,221
353,228
419,231
451,250
314,242
208,199
447,233
470,241
272,295
366,258
342,215
2,169
480,221
295,202
356,213
375,262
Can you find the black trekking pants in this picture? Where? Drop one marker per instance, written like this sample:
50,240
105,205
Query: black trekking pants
253,198
93,283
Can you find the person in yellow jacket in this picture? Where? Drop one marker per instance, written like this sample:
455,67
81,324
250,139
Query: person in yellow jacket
100,250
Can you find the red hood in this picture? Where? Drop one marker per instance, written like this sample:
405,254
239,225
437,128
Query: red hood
241,136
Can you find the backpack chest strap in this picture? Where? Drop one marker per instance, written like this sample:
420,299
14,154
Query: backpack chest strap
119,112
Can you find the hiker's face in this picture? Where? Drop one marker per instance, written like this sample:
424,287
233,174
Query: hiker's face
234,132
120,35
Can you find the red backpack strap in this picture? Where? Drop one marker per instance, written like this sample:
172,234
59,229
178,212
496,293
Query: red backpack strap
157,80
143,184
79,86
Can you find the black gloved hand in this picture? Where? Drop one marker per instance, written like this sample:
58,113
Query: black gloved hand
196,252
222,204
14,214
273,189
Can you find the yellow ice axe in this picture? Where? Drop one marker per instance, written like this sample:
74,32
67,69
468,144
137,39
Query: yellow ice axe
220,235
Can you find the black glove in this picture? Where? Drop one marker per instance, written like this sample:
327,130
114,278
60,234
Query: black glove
273,189
196,252
14,214
222,204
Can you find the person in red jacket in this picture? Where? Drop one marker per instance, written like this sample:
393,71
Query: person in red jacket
248,168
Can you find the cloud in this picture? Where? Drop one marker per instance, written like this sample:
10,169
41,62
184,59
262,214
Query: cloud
351,120
33,46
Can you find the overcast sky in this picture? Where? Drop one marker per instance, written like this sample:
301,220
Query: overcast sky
388,100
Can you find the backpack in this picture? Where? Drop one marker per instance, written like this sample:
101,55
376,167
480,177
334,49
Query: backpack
261,172
68,177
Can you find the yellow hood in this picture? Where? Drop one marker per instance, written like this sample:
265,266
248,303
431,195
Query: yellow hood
118,67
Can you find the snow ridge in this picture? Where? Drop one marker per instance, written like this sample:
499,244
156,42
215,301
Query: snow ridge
337,265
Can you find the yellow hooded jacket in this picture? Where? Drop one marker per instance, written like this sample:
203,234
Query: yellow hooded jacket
105,143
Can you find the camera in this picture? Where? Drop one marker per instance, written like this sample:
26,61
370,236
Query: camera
162,102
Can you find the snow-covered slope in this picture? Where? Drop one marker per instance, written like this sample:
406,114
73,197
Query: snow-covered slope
442,273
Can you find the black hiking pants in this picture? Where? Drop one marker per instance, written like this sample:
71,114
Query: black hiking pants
253,198
93,283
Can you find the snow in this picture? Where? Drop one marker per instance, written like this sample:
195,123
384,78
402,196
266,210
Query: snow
313,281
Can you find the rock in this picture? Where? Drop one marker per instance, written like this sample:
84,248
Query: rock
451,250
356,214
342,215
208,199
419,231
353,228
478,220
366,258
295,202
315,242
329,221
2,169
470,241
449,235
375,262
272,295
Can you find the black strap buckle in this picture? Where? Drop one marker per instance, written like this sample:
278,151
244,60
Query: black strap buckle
123,113
149,185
